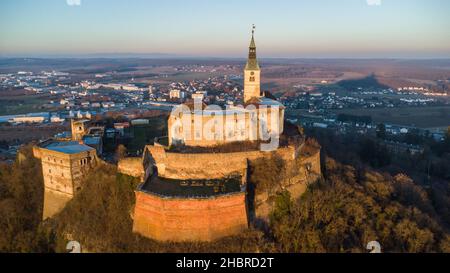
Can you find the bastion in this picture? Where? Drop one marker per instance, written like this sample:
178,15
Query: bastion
204,196
194,210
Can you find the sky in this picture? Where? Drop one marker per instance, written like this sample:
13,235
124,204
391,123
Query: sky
222,28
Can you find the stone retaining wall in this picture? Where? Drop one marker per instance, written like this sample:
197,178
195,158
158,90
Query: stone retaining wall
176,219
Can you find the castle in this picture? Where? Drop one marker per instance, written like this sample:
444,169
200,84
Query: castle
193,189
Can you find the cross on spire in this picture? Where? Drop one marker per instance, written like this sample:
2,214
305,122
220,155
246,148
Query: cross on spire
252,42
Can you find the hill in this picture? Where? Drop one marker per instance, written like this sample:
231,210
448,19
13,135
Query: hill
341,213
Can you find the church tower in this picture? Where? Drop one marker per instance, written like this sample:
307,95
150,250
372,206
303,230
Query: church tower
252,73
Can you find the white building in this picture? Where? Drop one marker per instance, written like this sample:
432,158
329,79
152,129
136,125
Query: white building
28,119
56,119
198,96
177,94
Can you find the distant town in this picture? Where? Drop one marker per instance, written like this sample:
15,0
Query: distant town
346,106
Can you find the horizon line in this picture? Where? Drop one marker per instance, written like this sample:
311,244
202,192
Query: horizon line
183,56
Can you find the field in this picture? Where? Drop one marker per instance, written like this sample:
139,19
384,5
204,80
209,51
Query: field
423,117
27,133
20,102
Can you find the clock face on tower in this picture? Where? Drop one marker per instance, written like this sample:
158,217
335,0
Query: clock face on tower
252,76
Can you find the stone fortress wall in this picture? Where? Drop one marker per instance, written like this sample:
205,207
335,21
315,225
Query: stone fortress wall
189,219
207,165
192,218
176,165
132,166
206,219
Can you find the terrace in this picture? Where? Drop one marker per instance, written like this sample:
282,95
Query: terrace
192,188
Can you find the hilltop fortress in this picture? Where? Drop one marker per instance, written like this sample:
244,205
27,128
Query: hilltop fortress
197,188
200,185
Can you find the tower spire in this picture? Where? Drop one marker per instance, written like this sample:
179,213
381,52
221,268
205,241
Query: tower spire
252,73
252,43
252,62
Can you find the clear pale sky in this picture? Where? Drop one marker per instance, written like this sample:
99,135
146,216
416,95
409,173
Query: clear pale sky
221,28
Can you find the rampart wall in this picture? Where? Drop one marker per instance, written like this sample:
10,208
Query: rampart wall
197,219
174,219
132,166
207,165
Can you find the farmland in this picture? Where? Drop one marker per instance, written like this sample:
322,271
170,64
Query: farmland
423,117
